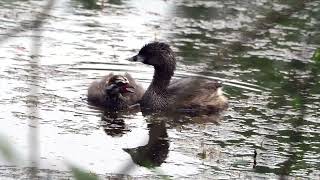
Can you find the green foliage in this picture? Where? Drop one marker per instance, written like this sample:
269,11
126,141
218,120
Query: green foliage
316,56
80,174
7,151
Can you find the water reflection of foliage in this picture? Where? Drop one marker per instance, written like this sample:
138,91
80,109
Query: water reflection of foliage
292,84
89,4
206,47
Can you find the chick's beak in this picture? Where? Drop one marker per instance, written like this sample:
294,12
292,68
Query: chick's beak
128,88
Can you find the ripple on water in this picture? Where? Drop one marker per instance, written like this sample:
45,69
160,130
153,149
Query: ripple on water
238,43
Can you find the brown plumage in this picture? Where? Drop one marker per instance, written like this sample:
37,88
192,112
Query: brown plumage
108,94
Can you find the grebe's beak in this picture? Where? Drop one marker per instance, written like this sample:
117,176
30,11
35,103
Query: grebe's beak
136,58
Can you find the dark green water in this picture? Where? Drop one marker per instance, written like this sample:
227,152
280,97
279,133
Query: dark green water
261,50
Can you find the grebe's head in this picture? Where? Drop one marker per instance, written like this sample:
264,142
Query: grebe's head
157,54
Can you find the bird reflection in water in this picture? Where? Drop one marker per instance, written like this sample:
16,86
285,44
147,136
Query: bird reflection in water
113,125
155,152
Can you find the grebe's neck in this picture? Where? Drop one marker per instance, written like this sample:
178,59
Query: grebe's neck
161,79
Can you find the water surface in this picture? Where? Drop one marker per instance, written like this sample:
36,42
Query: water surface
261,50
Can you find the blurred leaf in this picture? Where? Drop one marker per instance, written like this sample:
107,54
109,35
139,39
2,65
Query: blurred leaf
7,150
316,56
80,174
